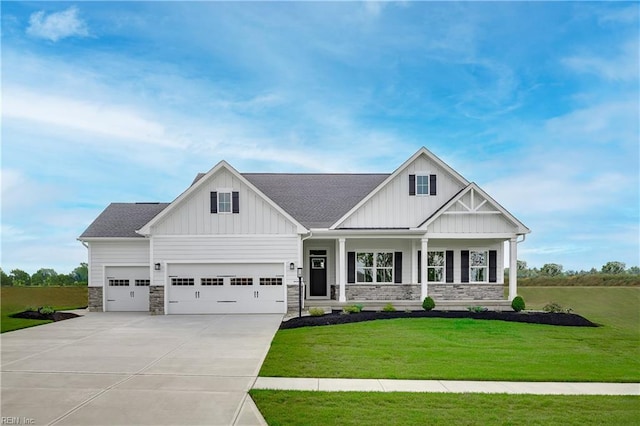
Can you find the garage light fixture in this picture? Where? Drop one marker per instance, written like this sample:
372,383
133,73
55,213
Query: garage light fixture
157,266
292,266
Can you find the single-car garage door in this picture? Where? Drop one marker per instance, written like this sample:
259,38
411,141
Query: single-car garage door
226,288
127,288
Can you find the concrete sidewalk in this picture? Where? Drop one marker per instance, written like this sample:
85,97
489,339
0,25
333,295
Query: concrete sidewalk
453,386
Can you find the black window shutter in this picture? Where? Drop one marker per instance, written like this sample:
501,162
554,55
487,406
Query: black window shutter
432,184
464,265
214,202
397,267
493,266
351,267
235,196
419,266
449,266
412,184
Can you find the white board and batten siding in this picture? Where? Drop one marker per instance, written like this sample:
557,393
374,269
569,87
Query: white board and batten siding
103,254
472,214
393,207
193,216
249,249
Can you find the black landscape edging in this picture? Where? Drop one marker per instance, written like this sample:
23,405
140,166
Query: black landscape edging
56,316
336,317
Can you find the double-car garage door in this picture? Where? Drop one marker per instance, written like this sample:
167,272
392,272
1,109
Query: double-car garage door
226,288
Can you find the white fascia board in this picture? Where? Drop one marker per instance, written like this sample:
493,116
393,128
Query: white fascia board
522,229
471,236
422,151
368,233
146,229
107,239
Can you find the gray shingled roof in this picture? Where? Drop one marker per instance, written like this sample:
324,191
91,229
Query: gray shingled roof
123,219
315,200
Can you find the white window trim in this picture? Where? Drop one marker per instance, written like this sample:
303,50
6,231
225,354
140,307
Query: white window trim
443,267
486,267
428,176
225,191
374,268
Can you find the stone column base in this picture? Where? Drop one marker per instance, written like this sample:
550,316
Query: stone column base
95,299
156,300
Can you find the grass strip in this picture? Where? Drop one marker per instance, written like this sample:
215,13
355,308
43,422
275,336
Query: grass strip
400,408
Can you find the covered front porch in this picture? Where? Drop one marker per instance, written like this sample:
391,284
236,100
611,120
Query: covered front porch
403,267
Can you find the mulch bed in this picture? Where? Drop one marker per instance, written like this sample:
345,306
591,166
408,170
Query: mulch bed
336,317
56,316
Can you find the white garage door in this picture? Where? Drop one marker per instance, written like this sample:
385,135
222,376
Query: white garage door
127,288
226,288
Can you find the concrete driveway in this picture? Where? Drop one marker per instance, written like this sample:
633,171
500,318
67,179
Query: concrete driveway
134,369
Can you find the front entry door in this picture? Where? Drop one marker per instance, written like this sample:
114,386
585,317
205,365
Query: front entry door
318,277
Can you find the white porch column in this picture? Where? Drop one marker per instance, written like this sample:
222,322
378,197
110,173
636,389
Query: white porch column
424,292
414,257
343,270
513,268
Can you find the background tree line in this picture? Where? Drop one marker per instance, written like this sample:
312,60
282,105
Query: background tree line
556,270
45,277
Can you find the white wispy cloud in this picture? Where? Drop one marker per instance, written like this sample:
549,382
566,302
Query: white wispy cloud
620,65
114,121
57,26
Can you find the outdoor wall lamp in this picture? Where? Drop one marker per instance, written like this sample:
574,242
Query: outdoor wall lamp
156,266
292,266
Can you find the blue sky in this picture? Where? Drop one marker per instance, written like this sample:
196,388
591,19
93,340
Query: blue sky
536,102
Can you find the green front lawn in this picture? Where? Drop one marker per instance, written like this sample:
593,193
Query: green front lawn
464,349
377,408
18,299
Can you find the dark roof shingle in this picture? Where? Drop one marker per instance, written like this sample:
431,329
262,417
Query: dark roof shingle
121,220
316,200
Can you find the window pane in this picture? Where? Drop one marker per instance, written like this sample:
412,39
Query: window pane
434,274
478,274
365,260
224,202
384,260
478,258
422,185
384,275
365,275
436,258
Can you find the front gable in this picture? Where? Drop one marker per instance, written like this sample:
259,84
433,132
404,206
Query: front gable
222,202
412,193
473,211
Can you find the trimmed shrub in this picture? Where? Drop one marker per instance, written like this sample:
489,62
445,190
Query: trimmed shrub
556,308
517,304
388,308
352,309
428,303
46,310
316,312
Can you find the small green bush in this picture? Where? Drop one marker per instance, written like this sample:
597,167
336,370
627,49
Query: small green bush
517,304
388,308
316,312
46,310
428,303
351,309
360,306
556,308
477,309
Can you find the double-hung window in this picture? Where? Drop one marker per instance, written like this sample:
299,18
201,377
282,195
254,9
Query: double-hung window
422,185
224,202
478,266
374,267
435,266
